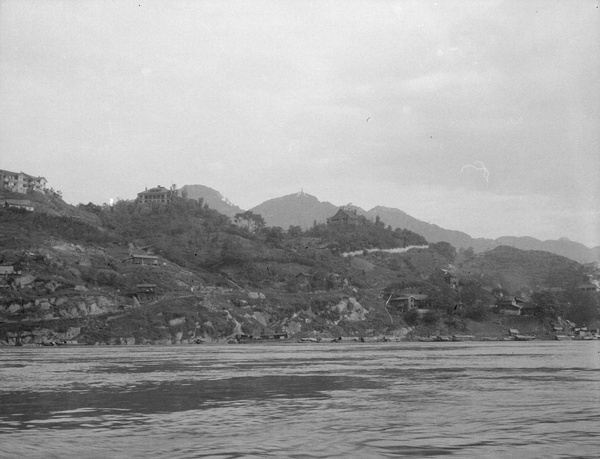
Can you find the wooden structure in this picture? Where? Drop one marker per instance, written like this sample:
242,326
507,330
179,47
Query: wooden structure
143,260
510,305
19,204
145,291
409,301
345,217
7,270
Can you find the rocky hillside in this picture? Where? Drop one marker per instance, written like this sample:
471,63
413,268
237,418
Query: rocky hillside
183,273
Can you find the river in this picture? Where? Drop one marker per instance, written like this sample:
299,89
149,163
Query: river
343,400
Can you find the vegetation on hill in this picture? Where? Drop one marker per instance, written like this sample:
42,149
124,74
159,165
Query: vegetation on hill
368,235
75,274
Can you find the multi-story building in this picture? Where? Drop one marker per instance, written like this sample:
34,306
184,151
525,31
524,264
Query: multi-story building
159,194
20,182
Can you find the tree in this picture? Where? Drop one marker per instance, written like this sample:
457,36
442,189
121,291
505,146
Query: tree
546,304
585,307
272,235
232,252
294,231
445,249
252,221
466,254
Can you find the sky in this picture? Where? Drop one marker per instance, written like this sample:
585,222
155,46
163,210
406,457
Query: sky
480,116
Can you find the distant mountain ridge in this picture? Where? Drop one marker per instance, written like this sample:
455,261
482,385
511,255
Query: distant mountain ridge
302,209
298,209
213,198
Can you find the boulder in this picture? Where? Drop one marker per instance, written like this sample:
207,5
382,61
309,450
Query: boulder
71,333
80,288
262,318
15,307
104,302
45,306
177,321
61,301
24,281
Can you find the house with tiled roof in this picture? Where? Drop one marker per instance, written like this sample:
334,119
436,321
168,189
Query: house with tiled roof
345,216
510,305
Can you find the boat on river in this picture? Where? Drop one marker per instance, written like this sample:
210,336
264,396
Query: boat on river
524,337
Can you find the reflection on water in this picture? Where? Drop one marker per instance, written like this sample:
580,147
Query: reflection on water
508,400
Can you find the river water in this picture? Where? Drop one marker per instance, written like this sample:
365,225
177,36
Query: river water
344,400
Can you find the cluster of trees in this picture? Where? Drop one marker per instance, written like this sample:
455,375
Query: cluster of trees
577,306
369,235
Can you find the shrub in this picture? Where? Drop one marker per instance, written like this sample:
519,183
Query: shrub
431,317
411,317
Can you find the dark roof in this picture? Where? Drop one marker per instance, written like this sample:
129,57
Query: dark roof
416,296
19,202
344,213
158,189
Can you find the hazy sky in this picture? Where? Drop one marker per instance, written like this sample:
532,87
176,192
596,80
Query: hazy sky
481,116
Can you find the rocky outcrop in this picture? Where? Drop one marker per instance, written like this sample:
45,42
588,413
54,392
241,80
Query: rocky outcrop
61,307
351,310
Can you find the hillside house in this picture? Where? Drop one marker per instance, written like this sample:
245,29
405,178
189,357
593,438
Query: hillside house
589,287
159,195
7,270
510,305
409,301
143,260
345,217
145,291
20,182
19,204
529,309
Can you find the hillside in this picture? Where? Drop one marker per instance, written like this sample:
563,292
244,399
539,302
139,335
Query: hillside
518,271
303,210
183,273
51,204
213,198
